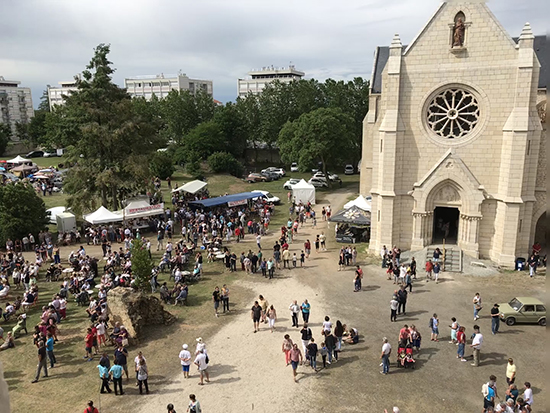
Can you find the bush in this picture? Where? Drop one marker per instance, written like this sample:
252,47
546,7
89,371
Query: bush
225,162
142,265
161,165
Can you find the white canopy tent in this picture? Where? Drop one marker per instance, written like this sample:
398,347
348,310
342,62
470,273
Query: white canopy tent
54,212
303,192
192,187
103,216
141,208
18,160
360,202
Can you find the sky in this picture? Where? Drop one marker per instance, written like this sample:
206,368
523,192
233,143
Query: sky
47,41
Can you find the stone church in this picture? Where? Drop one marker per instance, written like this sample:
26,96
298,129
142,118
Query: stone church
454,143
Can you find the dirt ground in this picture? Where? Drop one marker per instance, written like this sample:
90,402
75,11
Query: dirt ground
249,373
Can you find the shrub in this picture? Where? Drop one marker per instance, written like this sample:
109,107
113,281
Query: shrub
225,162
161,165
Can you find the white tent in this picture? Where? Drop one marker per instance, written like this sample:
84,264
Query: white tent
18,160
54,212
360,202
103,216
138,209
303,192
192,187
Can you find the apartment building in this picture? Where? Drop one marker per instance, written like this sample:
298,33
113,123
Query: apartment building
15,103
56,94
258,79
161,85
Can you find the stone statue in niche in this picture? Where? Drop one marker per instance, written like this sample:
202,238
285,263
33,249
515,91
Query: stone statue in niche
458,33
447,194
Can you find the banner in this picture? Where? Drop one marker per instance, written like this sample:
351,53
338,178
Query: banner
236,203
150,208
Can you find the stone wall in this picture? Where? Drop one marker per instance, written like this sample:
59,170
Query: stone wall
135,310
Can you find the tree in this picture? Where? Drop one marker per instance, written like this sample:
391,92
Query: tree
225,162
5,135
22,212
106,135
161,165
205,139
142,265
325,135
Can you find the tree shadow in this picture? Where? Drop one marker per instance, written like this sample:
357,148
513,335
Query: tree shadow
497,359
370,288
421,291
417,312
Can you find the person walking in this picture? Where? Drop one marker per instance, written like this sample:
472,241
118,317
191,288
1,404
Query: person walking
185,359
412,267
454,330
294,311
477,342
330,343
394,304
49,350
402,300
429,269
200,362
305,308
312,353
142,375
495,319
216,298
42,361
357,279
385,356
286,347
461,341
194,405
115,372
104,376
256,314
272,317
510,372
225,297
408,280
295,360
477,305
434,325
265,306
306,335
436,270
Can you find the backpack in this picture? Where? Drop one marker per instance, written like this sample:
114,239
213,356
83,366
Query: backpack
431,324
485,390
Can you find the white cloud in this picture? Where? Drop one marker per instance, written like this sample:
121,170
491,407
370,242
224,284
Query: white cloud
45,42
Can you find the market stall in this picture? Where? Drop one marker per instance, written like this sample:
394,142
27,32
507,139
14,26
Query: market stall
302,192
102,216
353,225
360,202
191,187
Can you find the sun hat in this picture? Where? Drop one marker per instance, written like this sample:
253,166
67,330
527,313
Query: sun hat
185,346
199,340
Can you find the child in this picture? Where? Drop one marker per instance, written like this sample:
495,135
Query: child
294,260
324,351
302,258
314,222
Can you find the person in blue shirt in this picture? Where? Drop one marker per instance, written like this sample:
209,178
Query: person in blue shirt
104,376
489,400
116,373
49,350
305,307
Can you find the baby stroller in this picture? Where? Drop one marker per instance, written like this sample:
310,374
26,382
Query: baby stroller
405,356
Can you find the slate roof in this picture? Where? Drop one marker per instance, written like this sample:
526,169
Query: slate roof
542,51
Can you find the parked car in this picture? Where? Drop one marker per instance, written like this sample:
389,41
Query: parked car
294,167
49,154
35,154
331,176
279,171
273,176
254,177
288,184
318,182
349,170
269,197
523,310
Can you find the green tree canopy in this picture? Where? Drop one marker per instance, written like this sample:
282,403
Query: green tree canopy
5,135
325,135
142,264
161,165
22,212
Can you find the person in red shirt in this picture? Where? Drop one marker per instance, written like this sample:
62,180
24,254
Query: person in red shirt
461,341
429,269
404,335
94,342
91,408
89,341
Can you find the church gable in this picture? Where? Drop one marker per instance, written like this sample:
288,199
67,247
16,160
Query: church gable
461,30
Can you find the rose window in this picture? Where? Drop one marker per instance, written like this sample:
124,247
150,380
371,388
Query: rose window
453,113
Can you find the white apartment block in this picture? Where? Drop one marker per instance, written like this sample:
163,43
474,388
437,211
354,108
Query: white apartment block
15,103
258,79
161,85
56,94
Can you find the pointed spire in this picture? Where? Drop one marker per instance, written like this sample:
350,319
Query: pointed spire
396,42
527,32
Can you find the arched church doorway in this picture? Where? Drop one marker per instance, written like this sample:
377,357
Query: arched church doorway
445,225
540,234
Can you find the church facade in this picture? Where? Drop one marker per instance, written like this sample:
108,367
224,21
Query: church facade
455,137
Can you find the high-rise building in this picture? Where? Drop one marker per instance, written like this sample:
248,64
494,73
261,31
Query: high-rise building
55,94
161,85
258,79
15,103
